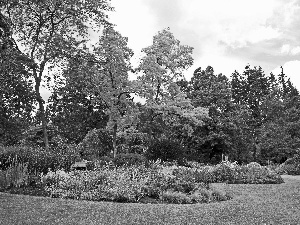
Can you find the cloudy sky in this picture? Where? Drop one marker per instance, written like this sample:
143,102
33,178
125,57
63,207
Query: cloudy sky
227,35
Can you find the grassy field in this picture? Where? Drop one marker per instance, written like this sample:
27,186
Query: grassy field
252,204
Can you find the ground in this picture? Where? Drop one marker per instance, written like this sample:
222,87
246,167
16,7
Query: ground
252,204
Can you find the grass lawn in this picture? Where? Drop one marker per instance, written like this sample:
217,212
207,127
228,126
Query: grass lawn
252,204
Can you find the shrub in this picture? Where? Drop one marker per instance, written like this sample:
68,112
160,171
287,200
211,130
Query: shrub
205,175
103,162
218,195
233,173
129,159
224,172
16,175
131,140
290,169
291,166
38,160
204,195
118,184
166,150
197,197
176,197
253,165
256,175
97,143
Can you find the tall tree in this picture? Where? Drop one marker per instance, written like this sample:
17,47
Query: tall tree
72,111
163,64
251,89
212,91
49,32
266,97
280,131
161,67
16,96
108,79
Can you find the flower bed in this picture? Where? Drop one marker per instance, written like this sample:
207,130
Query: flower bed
132,184
154,183
252,173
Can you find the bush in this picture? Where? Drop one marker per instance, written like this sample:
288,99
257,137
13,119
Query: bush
290,169
97,143
166,150
291,166
176,197
220,195
131,140
204,195
256,175
103,162
224,172
37,159
253,165
16,175
129,159
118,184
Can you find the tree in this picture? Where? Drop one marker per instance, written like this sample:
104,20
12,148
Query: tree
16,96
108,80
70,109
210,90
163,64
280,130
49,32
216,137
251,89
287,88
168,112
266,98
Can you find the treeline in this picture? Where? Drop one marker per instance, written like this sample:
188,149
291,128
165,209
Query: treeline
250,116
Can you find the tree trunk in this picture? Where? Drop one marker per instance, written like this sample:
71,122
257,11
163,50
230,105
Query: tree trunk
115,139
44,126
41,101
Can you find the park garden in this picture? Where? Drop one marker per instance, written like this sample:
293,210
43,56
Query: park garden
156,138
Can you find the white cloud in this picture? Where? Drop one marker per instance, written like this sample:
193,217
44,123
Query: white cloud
288,50
134,21
285,49
296,50
284,14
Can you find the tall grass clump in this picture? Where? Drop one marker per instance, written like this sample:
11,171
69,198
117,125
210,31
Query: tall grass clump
39,160
16,175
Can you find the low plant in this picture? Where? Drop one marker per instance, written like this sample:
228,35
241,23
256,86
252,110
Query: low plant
176,197
38,159
16,175
129,159
255,175
219,195
291,166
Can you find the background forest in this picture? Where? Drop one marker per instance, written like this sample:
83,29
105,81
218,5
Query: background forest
97,110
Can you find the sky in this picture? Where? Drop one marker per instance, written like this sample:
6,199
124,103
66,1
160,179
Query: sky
227,35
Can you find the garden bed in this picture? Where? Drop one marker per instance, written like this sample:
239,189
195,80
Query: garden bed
155,183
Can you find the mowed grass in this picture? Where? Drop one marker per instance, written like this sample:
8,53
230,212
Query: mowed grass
252,204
